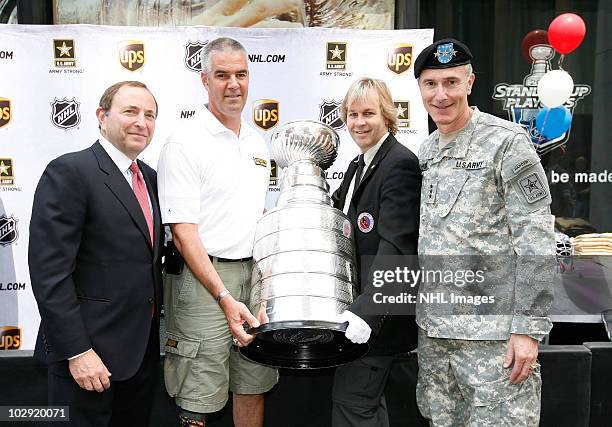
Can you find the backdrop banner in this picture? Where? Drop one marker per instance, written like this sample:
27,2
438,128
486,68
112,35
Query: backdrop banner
52,77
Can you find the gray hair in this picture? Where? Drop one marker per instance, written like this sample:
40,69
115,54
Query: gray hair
469,69
222,44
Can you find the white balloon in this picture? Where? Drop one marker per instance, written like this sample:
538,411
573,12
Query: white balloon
555,87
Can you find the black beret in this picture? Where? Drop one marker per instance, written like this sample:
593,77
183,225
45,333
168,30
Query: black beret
445,53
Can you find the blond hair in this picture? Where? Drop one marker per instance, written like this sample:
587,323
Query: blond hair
361,90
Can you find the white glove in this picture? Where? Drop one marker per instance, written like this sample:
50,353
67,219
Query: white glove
357,330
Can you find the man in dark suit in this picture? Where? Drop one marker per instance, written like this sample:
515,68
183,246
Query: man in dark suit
380,194
95,265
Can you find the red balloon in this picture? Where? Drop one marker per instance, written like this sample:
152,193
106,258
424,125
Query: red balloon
532,38
566,32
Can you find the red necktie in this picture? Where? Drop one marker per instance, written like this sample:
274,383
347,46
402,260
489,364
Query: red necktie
140,190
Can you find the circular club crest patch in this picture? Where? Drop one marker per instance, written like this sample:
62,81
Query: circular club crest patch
365,221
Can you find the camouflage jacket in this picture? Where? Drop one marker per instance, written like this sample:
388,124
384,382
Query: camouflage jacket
485,203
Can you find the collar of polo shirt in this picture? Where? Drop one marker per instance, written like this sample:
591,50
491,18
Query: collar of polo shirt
215,127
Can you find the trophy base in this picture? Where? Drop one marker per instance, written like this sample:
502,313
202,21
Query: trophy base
303,344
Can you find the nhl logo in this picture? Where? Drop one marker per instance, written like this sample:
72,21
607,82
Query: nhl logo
65,113
193,55
330,114
8,230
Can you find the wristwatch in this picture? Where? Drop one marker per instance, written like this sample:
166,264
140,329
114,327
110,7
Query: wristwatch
222,295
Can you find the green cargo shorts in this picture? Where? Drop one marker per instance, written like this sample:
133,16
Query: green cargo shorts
201,362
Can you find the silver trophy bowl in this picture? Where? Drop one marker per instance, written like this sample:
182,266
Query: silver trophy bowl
305,140
304,270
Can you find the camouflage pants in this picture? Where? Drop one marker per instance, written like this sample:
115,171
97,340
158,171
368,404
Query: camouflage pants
463,383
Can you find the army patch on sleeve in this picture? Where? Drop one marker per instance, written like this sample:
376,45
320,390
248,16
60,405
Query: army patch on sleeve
519,166
533,188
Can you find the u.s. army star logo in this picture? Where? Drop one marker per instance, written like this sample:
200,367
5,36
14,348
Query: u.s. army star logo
336,55
533,188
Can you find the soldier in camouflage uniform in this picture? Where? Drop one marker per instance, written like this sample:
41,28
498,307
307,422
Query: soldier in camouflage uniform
485,196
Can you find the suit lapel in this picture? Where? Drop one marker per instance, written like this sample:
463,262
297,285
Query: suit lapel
346,183
117,184
380,154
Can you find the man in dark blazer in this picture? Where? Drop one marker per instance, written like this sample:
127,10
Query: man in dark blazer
380,194
95,265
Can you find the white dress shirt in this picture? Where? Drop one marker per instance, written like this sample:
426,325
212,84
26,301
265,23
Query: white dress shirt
368,156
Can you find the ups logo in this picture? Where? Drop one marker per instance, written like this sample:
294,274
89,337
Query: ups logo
132,55
399,59
265,113
10,338
5,111
403,113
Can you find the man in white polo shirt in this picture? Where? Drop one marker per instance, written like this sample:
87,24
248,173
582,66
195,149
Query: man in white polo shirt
213,176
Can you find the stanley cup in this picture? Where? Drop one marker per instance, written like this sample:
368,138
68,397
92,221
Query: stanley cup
304,270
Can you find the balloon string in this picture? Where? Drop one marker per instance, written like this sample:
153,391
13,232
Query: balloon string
561,58
543,126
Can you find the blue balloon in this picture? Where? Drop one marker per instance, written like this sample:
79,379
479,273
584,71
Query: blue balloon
553,122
